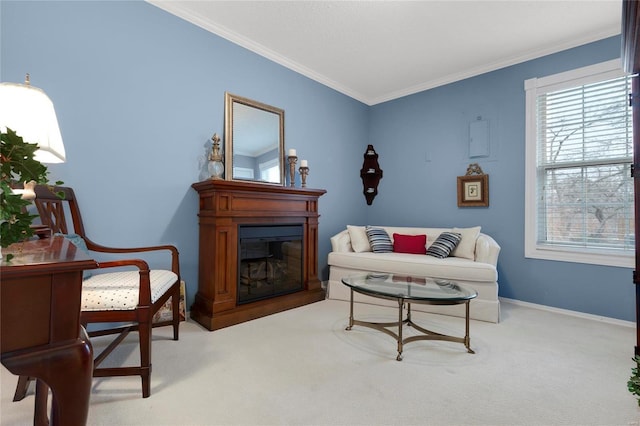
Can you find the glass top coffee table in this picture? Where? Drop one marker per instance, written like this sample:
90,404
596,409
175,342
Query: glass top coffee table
408,289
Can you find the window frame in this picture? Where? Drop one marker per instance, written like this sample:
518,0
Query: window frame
534,87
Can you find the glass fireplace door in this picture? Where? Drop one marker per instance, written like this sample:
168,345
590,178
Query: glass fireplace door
269,261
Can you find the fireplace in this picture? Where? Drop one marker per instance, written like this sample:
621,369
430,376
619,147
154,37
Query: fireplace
269,261
276,270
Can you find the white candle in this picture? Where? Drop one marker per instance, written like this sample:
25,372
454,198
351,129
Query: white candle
303,163
292,152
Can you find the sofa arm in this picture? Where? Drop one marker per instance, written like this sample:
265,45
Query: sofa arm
487,250
341,242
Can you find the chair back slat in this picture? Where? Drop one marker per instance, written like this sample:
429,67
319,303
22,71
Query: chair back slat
58,209
52,215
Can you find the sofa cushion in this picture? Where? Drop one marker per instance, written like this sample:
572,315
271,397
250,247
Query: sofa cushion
359,240
414,244
467,246
444,245
379,240
451,268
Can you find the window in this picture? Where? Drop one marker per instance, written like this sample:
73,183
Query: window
270,170
242,172
579,149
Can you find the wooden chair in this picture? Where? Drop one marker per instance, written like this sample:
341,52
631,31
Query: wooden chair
131,296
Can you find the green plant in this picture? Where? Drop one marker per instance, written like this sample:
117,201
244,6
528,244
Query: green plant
17,165
634,382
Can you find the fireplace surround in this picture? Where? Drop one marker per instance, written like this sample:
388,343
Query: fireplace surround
286,221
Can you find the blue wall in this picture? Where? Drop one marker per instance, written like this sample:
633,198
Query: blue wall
139,93
422,141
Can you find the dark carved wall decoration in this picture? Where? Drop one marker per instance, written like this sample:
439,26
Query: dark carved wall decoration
370,174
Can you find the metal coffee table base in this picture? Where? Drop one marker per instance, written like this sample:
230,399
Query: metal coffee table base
385,327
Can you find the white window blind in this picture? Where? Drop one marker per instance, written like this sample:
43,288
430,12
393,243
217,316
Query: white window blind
582,172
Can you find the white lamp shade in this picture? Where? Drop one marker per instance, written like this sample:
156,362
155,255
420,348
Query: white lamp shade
29,112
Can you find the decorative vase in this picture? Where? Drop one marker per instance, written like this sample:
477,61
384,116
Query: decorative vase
215,166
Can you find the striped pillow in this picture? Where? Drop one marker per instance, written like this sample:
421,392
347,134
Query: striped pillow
444,244
379,240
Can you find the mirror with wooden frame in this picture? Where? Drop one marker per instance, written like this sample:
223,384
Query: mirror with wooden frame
254,141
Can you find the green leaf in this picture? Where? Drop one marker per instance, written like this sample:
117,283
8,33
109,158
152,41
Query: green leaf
634,381
17,165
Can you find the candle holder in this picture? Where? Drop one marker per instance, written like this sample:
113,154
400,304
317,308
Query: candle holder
304,171
292,159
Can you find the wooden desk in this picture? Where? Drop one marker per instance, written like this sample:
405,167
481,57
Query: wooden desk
41,335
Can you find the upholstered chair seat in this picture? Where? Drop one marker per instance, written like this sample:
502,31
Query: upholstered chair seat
119,291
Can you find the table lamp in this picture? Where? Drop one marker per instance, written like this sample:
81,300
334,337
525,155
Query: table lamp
29,112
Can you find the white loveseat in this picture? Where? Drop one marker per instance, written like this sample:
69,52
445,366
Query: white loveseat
472,263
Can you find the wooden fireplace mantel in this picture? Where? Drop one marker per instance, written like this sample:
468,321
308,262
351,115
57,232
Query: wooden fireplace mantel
226,205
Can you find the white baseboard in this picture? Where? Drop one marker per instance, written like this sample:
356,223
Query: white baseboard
608,320
583,315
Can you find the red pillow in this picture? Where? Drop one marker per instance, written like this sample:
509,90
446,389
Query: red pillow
415,244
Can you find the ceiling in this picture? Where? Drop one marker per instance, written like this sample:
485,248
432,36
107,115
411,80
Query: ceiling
375,51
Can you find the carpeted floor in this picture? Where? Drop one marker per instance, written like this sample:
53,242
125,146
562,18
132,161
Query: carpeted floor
301,367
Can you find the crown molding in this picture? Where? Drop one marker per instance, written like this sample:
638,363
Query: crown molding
175,8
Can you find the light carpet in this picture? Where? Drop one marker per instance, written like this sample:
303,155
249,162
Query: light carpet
301,367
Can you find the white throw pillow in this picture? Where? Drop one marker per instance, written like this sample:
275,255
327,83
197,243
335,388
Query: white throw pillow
467,246
359,239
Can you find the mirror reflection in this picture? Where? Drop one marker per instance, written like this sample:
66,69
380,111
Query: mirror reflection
254,136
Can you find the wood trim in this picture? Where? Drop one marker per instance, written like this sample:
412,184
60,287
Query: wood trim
631,64
630,35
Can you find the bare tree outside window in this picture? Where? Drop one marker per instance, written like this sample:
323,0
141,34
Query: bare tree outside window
585,189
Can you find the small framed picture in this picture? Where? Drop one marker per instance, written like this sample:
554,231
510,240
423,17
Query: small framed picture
473,191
